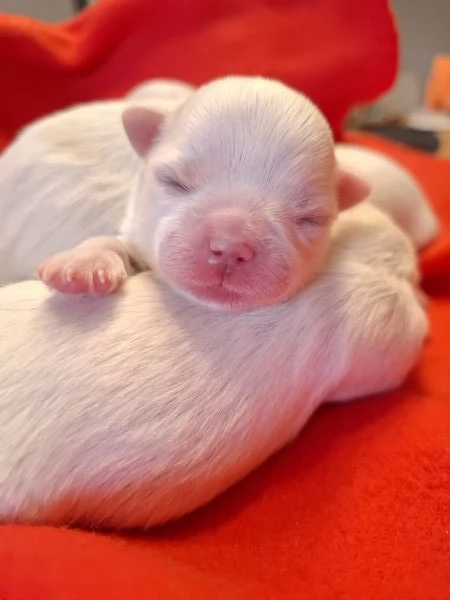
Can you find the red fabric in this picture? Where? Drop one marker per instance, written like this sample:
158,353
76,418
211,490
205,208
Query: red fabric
340,52
358,507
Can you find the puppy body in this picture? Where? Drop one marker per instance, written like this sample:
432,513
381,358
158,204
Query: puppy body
393,190
134,409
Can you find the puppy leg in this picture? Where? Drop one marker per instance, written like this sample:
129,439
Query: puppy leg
98,266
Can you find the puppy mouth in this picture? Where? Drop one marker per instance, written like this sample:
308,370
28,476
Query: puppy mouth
263,281
221,298
224,295
218,295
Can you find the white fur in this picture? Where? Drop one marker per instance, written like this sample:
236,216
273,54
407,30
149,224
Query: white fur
157,89
68,176
394,190
245,150
137,408
134,409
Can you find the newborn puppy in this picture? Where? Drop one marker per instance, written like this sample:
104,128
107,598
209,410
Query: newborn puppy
134,409
234,203
67,177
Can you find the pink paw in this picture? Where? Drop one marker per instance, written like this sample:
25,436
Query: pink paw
84,271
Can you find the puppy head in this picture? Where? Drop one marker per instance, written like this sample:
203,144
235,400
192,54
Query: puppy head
238,195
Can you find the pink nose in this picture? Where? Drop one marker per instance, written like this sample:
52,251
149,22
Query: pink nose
228,253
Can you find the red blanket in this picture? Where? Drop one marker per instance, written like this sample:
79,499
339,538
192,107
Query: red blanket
340,52
358,507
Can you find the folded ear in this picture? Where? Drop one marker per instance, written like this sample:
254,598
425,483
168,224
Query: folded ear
351,189
141,126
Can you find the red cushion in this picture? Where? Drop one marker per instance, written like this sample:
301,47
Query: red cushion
340,52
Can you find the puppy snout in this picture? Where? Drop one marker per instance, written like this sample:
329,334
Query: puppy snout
229,253
231,240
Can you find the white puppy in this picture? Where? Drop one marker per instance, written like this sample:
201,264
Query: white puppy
136,408
68,177
235,201
233,205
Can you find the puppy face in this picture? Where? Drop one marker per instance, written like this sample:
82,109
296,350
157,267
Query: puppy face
237,198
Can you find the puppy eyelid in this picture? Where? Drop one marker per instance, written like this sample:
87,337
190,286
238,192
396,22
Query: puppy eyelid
312,220
169,178
176,185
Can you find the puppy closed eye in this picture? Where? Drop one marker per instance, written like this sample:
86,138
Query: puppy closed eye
311,226
313,220
171,180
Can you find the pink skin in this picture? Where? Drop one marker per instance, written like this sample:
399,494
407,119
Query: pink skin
101,265
97,267
241,247
228,258
216,260
215,263
234,257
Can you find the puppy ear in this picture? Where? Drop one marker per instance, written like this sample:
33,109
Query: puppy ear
351,189
141,126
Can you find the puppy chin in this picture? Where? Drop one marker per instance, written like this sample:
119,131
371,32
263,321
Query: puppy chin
265,281
219,299
226,298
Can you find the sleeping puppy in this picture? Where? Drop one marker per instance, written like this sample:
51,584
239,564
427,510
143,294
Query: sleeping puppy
233,204
71,176
235,201
135,408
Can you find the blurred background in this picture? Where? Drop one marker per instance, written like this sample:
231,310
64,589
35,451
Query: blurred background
408,113
48,10
424,28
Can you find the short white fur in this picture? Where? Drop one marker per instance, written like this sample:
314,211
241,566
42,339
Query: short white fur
134,409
